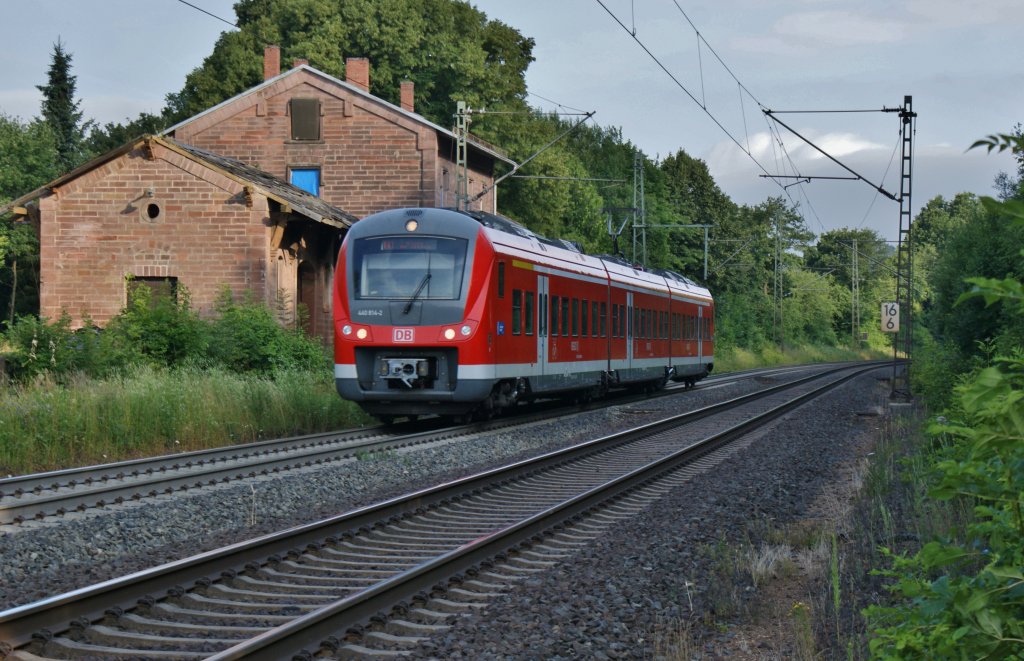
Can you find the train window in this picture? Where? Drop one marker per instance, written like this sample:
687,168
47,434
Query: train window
584,308
517,310
575,317
501,279
593,319
542,320
400,267
664,325
565,316
528,326
604,319
615,319
554,315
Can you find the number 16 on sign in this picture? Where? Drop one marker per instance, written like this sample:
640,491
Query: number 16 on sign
890,317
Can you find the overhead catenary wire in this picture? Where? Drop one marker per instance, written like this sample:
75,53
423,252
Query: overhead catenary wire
210,14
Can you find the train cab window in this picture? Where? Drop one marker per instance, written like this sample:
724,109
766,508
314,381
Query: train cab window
528,324
604,319
575,317
555,304
584,326
517,311
401,267
501,279
565,316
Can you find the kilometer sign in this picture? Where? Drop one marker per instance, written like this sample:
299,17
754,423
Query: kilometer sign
890,317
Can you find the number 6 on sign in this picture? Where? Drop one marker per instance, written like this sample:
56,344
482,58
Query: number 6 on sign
890,317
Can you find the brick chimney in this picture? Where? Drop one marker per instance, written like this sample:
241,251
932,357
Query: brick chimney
271,62
408,95
357,72
298,62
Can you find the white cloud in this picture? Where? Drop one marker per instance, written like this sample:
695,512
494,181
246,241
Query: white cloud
958,13
838,28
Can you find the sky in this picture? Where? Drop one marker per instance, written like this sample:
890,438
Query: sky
958,59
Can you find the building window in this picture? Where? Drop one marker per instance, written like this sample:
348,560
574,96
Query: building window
308,179
305,114
151,289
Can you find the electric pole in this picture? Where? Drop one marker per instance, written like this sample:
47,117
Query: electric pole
855,298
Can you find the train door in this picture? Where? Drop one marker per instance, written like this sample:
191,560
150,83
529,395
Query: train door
630,330
700,334
542,324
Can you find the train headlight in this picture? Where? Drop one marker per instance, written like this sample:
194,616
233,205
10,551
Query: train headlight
465,330
422,368
346,330
449,333
411,225
361,333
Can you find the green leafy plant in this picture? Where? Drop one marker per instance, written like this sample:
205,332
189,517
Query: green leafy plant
963,596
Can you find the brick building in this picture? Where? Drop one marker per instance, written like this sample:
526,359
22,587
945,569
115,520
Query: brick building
336,140
253,194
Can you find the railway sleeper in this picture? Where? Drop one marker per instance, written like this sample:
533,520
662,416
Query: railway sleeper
186,629
72,649
204,617
104,636
355,651
403,627
200,602
273,598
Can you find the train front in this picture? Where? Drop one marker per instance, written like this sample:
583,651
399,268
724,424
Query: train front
409,308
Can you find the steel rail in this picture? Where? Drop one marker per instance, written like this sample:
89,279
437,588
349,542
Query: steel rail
53,614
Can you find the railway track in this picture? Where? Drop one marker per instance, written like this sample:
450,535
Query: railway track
318,586
41,495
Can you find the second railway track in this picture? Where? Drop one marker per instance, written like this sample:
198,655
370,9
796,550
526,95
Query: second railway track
41,495
275,595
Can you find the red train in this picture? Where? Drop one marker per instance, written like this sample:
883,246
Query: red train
457,313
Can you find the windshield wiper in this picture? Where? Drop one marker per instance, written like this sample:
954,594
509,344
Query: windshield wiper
416,294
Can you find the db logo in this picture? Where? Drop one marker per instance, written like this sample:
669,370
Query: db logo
402,335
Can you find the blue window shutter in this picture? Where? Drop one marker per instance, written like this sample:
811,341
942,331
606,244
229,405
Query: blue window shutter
308,179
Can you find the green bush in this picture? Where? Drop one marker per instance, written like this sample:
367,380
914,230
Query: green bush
245,336
158,330
38,346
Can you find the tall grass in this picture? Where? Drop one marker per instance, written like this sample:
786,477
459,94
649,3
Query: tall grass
148,411
734,359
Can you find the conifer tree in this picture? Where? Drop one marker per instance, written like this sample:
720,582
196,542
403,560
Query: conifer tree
60,109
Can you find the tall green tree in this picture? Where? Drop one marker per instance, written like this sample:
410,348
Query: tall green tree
448,48
28,159
61,111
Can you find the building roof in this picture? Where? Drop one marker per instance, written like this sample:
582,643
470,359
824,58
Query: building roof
295,198
473,142
290,197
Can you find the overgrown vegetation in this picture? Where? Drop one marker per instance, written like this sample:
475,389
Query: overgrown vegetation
159,379
960,592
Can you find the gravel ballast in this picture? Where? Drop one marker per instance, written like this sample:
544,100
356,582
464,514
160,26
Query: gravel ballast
626,594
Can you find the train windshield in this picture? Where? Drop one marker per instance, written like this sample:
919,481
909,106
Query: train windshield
401,267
